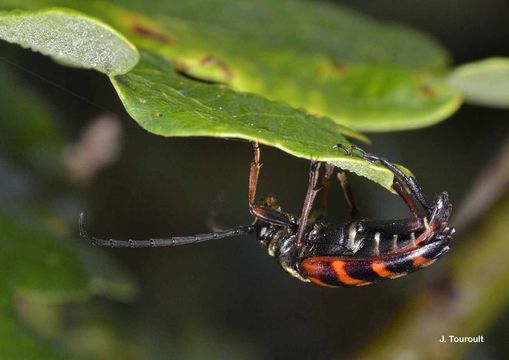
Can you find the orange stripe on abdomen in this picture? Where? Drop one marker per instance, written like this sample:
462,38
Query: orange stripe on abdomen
422,261
339,268
381,270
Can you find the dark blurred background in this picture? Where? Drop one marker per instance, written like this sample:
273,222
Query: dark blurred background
228,298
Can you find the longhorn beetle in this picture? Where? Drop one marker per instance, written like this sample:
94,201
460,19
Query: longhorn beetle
357,253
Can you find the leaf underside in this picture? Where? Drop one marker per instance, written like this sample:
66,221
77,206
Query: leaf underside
367,80
167,104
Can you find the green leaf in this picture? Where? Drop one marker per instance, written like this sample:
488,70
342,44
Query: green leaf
484,82
167,104
345,80
304,27
368,75
70,38
364,73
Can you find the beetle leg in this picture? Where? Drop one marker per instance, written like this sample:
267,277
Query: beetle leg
314,170
401,190
271,216
263,213
345,185
409,181
253,175
347,190
326,181
406,181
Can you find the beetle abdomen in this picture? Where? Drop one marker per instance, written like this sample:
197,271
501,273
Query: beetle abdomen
334,271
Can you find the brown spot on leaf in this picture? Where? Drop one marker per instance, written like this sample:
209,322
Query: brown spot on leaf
339,67
212,60
331,68
207,69
145,31
427,90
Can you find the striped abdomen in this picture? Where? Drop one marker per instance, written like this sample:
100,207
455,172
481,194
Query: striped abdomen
334,271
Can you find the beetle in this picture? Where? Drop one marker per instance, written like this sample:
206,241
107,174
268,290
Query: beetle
356,253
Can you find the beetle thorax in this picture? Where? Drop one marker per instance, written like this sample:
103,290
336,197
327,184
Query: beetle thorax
280,243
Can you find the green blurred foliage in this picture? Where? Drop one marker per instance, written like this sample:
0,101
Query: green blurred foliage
33,265
41,269
41,272
30,136
484,82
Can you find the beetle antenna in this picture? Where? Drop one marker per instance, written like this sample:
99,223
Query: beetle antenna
173,241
